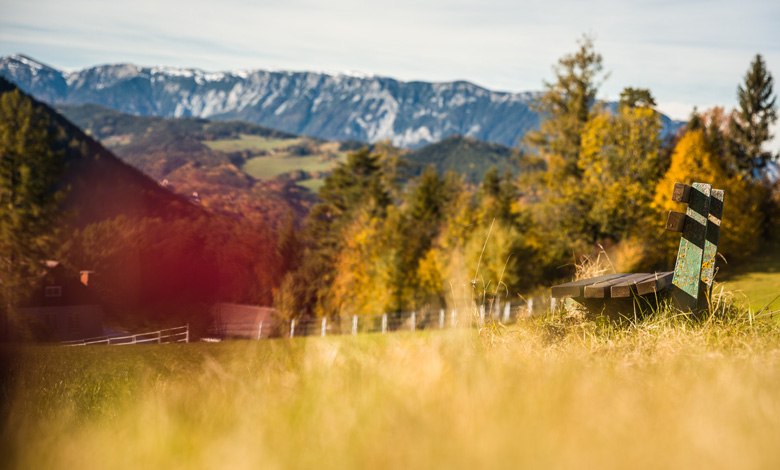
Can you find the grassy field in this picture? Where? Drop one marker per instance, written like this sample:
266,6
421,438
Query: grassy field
312,185
546,393
324,157
251,142
757,282
273,166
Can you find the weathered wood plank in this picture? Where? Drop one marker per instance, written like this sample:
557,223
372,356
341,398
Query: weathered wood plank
574,288
600,290
658,283
625,288
687,269
681,192
713,236
675,221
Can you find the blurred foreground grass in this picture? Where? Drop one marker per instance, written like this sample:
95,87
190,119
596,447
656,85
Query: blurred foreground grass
546,393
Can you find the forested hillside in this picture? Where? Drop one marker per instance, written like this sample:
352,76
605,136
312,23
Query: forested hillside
215,160
157,257
246,169
465,156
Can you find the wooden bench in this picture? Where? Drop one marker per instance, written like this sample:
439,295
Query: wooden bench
694,269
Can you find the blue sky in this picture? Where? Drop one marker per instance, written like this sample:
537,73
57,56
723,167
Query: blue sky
688,52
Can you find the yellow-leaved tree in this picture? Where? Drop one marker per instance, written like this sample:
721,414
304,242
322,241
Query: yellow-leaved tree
694,160
619,162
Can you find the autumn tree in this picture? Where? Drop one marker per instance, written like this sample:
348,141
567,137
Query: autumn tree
749,128
552,196
619,162
30,170
694,160
566,106
357,185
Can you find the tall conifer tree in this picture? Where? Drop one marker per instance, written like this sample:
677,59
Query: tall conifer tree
567,105
30,170
749,127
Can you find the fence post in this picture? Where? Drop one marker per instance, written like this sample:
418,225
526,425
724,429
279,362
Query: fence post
454,318
324,326
507,312
414,321
531,307
292,328
187,334
441,319
553,304
496,307
354,324
482,314
260,329
384,323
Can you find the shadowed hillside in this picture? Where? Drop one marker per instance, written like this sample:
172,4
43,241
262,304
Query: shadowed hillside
469,157
100,186
158,257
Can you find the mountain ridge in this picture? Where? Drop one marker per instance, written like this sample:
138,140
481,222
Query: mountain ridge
334,107
366,108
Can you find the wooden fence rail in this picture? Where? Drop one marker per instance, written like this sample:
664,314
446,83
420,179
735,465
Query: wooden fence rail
180,334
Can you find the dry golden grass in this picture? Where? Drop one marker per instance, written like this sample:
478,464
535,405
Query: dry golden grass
555,392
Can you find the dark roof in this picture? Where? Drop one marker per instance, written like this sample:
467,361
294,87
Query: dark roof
71,292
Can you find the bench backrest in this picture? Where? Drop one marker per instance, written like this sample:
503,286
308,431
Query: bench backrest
694,269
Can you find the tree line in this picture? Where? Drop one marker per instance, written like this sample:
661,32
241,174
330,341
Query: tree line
592,177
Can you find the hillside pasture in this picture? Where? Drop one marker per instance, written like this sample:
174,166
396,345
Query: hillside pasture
273,166
252,143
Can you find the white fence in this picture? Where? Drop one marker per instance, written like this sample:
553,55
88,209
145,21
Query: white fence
429,319
180,334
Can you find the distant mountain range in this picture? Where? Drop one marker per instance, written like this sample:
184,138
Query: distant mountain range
335,107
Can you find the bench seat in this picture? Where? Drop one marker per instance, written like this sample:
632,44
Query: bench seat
615,286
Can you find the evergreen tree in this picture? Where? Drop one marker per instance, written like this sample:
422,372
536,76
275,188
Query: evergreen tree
357,186
420,222
30,170
567,105
750,125
553,198
636,98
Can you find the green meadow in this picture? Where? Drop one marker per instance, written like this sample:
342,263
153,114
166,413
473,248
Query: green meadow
273,166
757,283
251,142
279,159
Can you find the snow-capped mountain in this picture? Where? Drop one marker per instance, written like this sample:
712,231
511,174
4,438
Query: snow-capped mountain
329,106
